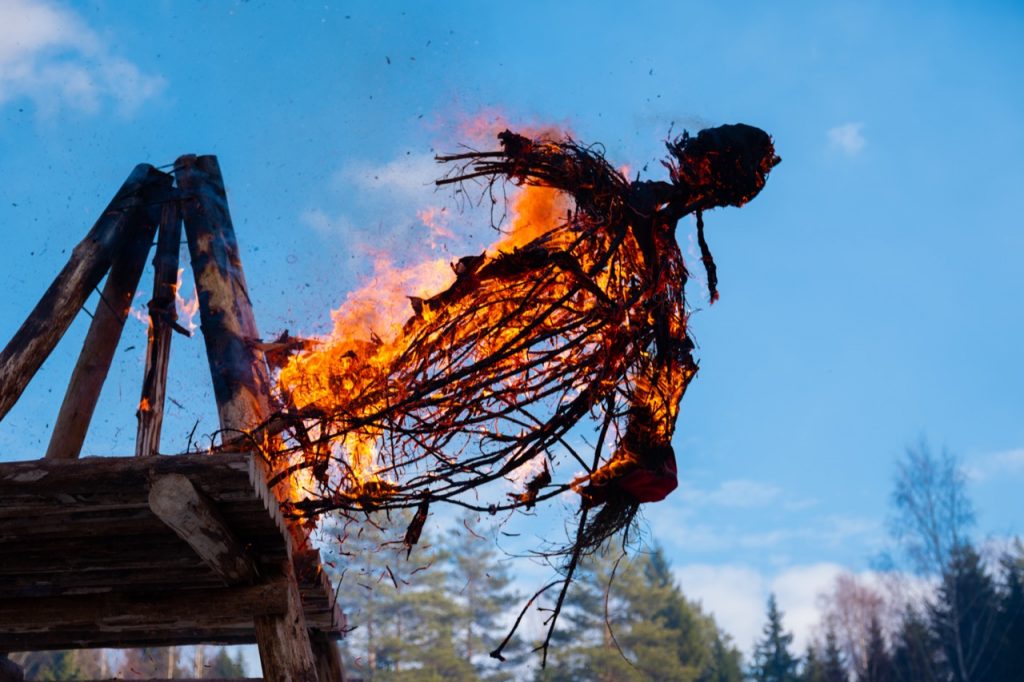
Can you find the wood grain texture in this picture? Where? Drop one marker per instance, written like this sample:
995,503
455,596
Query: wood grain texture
163,318
197,521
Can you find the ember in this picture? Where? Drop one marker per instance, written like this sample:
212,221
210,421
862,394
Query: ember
577,315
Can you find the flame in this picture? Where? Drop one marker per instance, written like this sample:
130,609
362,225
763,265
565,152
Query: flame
186,307
369,328
533,211
365,339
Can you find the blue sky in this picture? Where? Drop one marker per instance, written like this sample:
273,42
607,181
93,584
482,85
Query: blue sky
870,295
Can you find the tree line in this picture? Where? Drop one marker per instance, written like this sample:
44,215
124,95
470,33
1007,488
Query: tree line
454,601
941,611
212,662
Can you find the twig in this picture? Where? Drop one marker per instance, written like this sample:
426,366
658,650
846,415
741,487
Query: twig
497,652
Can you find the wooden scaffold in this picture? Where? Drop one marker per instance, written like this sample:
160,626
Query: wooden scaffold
154,549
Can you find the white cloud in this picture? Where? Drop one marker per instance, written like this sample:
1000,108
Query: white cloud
50,56
686,521
394,206
734,594
739,493
737,595
327,225
847,138
412,176
1006,462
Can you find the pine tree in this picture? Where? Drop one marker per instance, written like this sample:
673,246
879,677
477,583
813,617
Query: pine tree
833,669
481,585
61,666
1009,664
877,665
914,651
964,617
726,661
812,670
662,636
404,616
150,663
222,666
773,661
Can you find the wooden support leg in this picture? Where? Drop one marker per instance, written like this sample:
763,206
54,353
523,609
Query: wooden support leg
162,318
328,658
90,260
101,341
285,650
240,377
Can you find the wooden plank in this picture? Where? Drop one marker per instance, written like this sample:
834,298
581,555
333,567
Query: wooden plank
162,319
197,521
101,341
240,377
126,612
89,262
113,474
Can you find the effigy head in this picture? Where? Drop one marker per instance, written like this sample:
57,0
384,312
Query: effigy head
724,166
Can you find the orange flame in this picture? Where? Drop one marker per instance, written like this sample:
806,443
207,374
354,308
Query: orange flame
186,307
368,333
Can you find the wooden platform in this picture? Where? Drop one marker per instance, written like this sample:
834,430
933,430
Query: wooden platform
85,562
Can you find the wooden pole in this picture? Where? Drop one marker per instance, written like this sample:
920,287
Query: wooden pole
162,319
240,377
240,380
90,260
101,340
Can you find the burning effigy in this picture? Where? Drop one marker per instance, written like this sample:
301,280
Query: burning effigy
501,366
579,320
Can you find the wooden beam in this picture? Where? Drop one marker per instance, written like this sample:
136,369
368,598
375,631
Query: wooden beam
197,521
89,262
162,319
201,608
240,377
101,341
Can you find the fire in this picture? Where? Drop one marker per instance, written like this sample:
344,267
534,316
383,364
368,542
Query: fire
437,220
186,307
443,377
371,332
366,337
186,310
532,212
